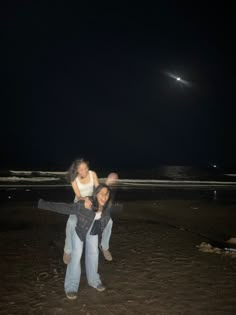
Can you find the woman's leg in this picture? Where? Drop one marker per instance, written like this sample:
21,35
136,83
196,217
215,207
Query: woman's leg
73,270
106,235
70,228
91,260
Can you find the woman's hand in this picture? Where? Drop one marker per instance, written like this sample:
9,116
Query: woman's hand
112,179
87,203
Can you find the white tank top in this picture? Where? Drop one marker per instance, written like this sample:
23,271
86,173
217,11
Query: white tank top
85,189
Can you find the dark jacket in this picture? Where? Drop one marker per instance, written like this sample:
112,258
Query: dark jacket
85,216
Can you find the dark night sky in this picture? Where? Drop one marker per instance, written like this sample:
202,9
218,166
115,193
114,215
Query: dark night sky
90,81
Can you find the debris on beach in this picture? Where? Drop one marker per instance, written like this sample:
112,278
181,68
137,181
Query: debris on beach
208,248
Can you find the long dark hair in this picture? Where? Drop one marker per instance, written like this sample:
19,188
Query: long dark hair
73,169
94,197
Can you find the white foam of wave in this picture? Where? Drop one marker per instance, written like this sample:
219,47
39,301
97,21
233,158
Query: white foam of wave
153,181
230,174
171,183
51,173
38,172
121,183
16,186
21,172
27,179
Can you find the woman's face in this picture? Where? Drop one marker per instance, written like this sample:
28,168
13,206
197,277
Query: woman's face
82,170
103,196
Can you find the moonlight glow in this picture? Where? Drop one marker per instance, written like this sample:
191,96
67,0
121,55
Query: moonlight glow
178,79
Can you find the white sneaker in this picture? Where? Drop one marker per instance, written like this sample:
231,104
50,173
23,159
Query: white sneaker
71,295
100,288
107,254
66,258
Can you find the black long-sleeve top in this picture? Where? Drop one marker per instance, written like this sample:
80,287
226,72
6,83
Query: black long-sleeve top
85,216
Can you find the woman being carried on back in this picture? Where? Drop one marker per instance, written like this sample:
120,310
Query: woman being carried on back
83,182
93,216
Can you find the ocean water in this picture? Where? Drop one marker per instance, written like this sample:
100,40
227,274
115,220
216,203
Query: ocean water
163,182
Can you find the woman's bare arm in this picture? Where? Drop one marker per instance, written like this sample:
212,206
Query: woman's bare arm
77,191
95,179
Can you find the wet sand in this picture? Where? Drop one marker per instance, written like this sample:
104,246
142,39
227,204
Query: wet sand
157,267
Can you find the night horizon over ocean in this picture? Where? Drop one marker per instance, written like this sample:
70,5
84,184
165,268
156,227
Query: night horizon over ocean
160,176
166,182
161,171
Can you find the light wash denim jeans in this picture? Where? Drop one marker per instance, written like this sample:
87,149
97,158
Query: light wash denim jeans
73,271
70,228
106,235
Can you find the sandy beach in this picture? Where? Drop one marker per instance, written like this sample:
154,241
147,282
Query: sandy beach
157,267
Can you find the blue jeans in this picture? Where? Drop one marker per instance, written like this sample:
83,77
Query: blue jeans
106,235
73,271
70,228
